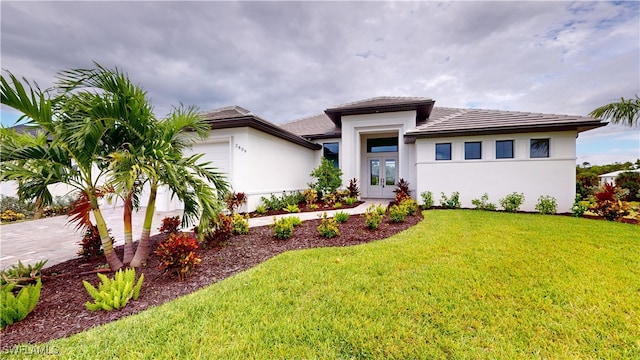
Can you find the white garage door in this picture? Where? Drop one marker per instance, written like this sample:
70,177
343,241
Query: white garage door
217,153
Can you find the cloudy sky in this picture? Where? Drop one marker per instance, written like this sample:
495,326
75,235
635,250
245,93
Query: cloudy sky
287,60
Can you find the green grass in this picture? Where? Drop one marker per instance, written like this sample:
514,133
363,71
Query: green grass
461,284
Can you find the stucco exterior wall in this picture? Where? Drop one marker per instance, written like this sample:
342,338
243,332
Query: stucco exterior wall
554,176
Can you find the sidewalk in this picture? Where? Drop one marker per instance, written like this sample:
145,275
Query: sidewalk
55,240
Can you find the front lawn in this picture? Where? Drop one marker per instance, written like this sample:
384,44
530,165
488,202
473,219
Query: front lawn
461,284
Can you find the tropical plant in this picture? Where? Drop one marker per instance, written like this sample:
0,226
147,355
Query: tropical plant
235,200
178,254
608,203
310,196
578,209
373,216
20,274
629,180
291,208
401,191
512,202
240,224
337,205
547,205
14,308
219,230
91,243
452,202
354,190
483,203
397,213
624,112
350,201
114,293
102,131
170,224
282,228
328,177
261,209
11,216
328,227
341,216
427,199
410,206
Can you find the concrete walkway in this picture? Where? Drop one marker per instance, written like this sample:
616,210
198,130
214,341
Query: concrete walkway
57,241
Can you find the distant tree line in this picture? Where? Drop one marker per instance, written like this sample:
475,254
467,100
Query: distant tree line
588,180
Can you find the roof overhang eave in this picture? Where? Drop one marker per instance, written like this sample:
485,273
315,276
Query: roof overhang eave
577,126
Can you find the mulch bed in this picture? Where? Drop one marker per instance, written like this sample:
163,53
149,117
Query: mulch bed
61,311
303,207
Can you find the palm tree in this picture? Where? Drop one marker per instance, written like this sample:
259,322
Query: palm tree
625,112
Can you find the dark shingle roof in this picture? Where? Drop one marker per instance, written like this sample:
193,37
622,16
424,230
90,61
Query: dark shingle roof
382,104
313,127
457,122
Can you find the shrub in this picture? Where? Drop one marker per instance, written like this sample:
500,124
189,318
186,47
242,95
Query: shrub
341,216
279,203
397,213
354,190
310,196
328,227
21,274
373,216
178,254
608,203
14,308
410,206
170,224
547,205
337,205
450,203
240,224
578,209
629,180
17,205
91,244
427,199
60,205
261,209
483,203
234,201
283,227
350,201
329,177
512,202
11,216
401,191
220,231
313,206
114,293
291,209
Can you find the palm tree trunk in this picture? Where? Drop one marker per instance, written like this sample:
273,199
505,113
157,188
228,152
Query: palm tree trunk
39,209
142,252
128,231
112,258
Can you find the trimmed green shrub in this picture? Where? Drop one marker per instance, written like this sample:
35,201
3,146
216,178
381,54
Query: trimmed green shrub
240,224
341,216
547,205
14,308
578,209
114,293
178,254
278,203
328,227
397,213
282,228
427,199
450,203
410,206
483,203
512,202
350,201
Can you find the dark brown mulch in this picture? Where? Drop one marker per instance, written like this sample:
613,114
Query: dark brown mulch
61,311
303,207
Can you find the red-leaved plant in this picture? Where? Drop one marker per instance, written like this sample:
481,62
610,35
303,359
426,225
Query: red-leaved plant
221,230
608,204
170,224
178,254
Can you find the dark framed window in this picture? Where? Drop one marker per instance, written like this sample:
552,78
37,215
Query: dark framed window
331,152
443,151
473,150
382,145
539,148
504,149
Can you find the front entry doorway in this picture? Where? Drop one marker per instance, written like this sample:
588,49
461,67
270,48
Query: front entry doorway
383,174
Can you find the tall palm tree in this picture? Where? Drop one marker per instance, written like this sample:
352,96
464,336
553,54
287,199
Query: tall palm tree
75,146
624,112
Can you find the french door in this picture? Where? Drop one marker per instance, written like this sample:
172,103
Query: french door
383,174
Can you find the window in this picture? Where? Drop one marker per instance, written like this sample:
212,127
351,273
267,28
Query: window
382,145
443,151
539,148
331,152
473,150
504,149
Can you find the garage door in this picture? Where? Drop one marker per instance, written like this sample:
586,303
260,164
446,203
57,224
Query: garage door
217,153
